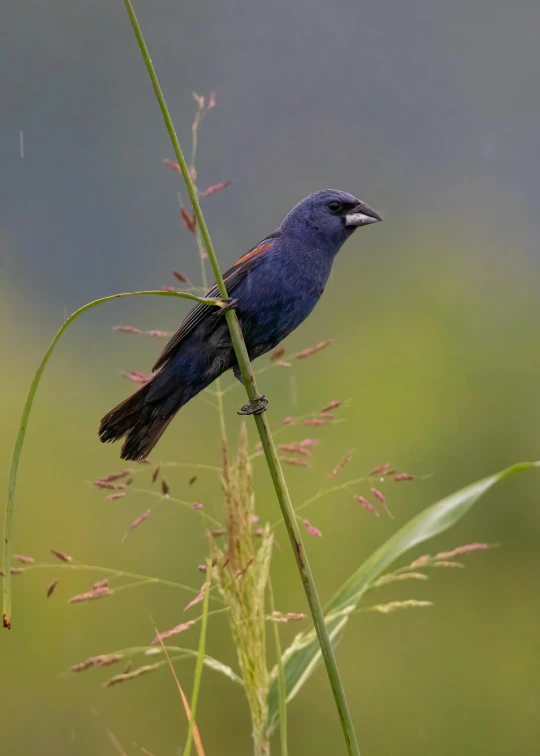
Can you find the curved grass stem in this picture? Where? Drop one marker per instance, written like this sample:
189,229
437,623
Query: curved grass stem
282,684
21,433
113,573
198,673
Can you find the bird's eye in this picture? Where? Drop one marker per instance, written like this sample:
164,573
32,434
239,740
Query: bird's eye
334,207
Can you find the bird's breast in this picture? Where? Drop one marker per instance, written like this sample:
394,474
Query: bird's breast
277,300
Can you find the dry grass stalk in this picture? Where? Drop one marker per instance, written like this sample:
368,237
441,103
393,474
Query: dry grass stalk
242,572
95,593
103,660
23,558
173,631
61,555
394,606
125,676
140,519
340,465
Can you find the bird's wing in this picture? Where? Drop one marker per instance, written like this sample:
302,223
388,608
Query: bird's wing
232,278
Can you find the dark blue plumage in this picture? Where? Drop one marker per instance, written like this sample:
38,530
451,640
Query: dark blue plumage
274,286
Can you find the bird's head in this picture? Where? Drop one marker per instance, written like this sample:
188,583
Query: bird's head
331,214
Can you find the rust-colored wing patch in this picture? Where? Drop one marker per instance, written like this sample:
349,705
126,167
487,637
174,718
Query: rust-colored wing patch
232,277
258,250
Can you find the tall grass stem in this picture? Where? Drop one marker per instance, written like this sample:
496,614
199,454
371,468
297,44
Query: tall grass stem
198,672
248,378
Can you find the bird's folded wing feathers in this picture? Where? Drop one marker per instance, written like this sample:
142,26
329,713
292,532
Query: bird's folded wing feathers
232,277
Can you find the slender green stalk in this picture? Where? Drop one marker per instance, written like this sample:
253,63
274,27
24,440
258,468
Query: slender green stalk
282,685
204,279
269,447
189,505
114,573
198,670
21,433
324,492
200,247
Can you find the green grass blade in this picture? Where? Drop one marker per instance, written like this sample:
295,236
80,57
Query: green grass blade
301,658
185,703
281,681
19,441
198,671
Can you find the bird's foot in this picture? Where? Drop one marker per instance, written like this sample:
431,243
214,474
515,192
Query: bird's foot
255,407
227,305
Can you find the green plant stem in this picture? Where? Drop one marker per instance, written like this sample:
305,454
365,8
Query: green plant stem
282,685
141,579
200,247
269,447
198,670
204,280
21,433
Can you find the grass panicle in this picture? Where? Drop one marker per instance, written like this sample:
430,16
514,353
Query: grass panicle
243,572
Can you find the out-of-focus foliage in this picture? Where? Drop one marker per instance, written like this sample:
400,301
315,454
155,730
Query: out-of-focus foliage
427,112
304,654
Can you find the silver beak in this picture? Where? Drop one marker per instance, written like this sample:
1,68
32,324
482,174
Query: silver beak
362,215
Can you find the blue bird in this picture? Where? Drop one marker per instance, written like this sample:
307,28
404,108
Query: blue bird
274,287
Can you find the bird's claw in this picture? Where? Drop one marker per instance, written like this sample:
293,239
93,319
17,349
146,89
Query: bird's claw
227,305
255,407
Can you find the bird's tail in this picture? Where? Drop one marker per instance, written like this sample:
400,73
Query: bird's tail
141,420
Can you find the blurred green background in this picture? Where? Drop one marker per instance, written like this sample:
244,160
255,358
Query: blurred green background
427,110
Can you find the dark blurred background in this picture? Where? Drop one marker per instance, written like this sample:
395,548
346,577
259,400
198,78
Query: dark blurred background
430,112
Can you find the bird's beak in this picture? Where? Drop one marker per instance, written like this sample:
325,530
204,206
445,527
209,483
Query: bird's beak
361,215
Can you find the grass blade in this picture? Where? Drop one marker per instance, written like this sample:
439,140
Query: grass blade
198,674
282,683
19,441
115,743
301,658
191,717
